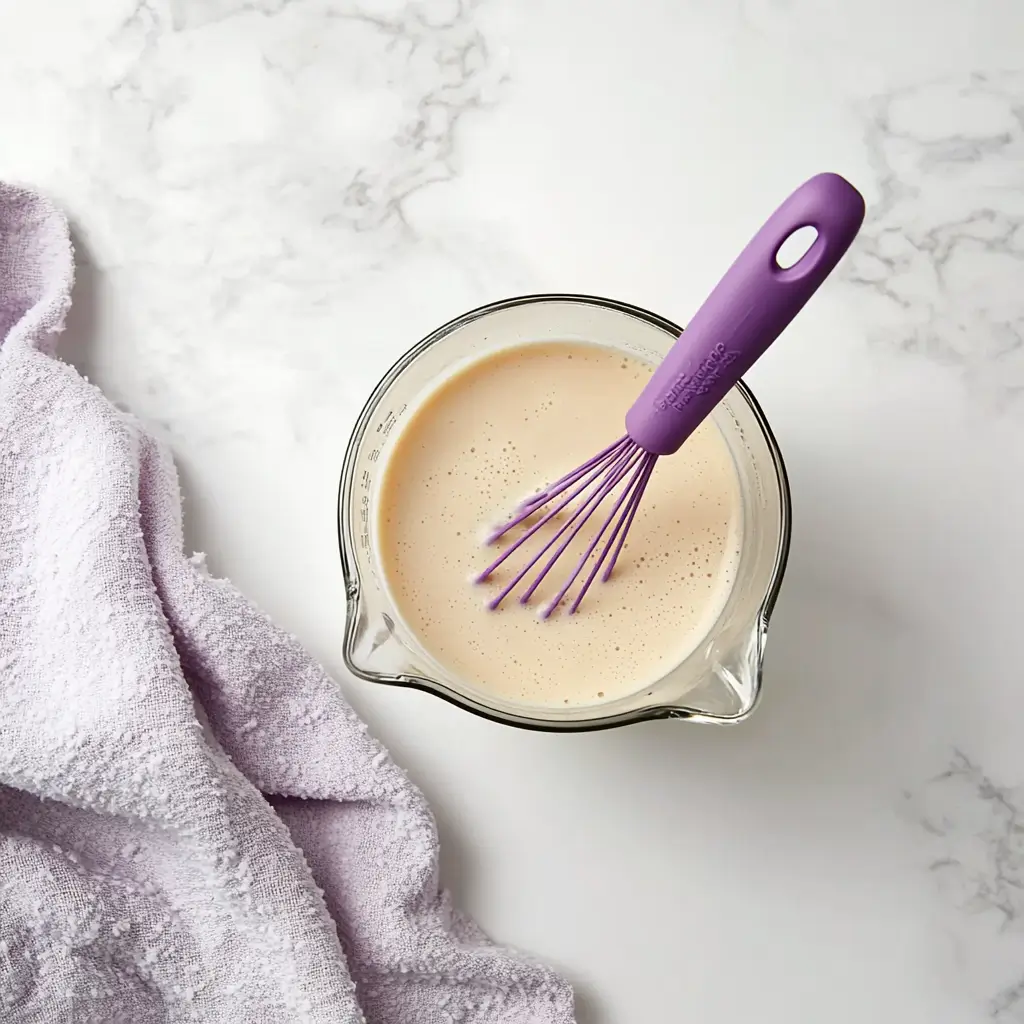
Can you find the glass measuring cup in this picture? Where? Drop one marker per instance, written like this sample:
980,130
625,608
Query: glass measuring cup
720,680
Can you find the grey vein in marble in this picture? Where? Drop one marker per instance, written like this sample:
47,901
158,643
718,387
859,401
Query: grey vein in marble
433,53
978,826
982,824
246,167
942,249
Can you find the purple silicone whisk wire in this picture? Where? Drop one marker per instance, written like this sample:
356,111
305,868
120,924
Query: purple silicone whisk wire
617,462
748,309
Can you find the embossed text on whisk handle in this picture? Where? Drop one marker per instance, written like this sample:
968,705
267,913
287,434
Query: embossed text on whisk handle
704,379
693,378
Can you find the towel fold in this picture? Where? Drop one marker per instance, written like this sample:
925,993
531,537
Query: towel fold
193,823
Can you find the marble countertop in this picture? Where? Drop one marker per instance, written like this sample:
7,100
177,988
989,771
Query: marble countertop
272,199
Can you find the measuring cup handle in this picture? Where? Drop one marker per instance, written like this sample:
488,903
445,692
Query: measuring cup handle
748,309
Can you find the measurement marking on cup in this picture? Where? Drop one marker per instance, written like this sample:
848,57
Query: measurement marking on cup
389,421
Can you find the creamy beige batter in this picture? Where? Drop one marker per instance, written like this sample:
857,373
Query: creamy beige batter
497,431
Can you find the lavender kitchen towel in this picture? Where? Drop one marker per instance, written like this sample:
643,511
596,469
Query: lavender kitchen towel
193,823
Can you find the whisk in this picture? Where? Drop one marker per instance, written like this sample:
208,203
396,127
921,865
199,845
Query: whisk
748,309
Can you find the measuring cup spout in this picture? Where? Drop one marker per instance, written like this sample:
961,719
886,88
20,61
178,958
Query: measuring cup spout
731,684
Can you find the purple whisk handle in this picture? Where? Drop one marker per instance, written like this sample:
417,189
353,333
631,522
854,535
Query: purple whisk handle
748,309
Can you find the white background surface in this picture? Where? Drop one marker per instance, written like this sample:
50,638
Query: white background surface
272,199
